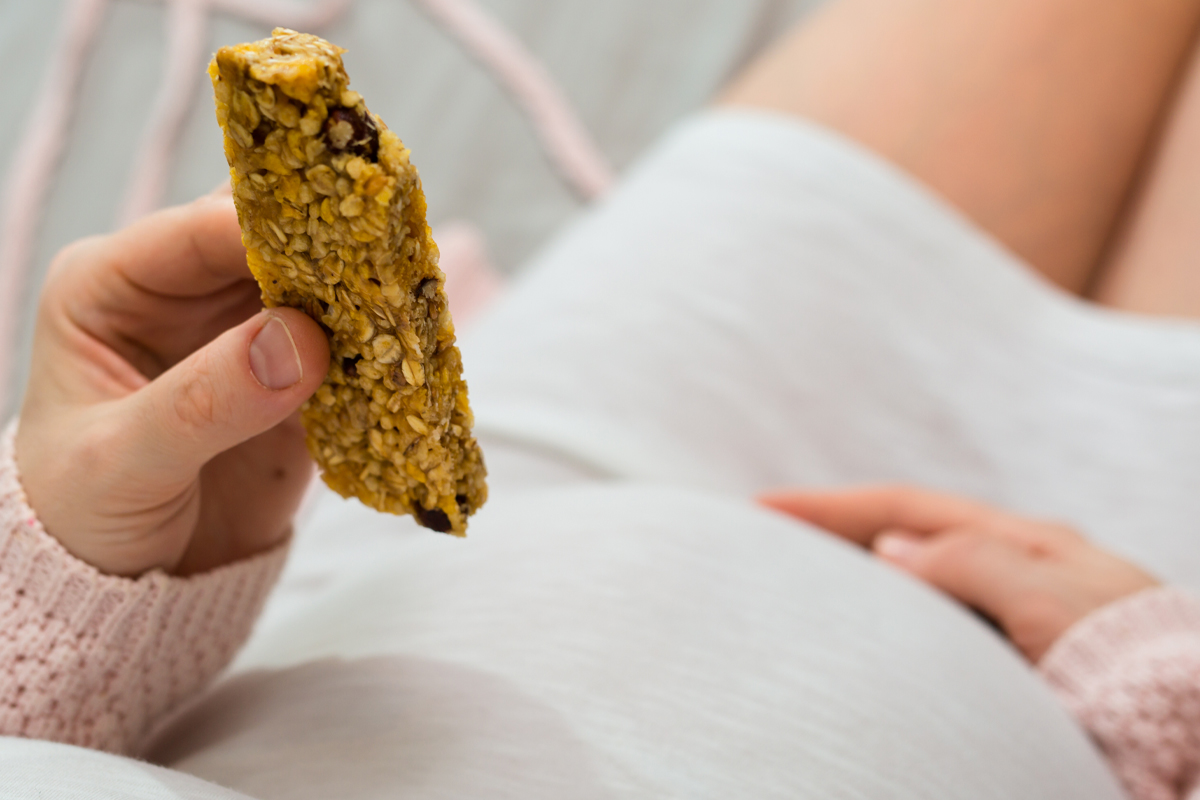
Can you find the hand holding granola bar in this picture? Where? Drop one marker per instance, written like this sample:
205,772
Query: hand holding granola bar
333,219
159,428
159,425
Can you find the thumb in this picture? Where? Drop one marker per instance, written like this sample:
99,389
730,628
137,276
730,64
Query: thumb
979,569
244,382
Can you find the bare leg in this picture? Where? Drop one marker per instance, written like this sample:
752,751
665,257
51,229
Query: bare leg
1154,266
1031,116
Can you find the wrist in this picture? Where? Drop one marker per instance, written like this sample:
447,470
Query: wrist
69,478
1106,636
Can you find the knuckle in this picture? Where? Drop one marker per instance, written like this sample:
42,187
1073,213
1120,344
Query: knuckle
195,402
73,256
74,251
1061,532
1041,537
68,271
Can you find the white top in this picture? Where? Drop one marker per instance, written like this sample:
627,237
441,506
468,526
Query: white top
762,303
765,303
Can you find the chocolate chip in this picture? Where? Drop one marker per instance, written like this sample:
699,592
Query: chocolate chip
346,129
433,518
350,366
261,132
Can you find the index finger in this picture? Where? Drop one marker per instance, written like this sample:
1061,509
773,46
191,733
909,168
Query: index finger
861,514
186,251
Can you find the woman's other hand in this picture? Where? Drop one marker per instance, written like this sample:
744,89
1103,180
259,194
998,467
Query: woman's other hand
1035,579
158,429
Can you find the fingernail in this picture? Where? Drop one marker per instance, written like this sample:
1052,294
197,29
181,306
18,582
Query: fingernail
896,548
273,356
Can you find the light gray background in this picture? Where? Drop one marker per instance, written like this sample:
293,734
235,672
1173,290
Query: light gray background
630,67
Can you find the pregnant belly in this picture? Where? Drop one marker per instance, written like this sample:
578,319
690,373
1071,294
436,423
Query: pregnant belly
621,641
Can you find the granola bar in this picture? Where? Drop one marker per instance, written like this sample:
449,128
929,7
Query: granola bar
333,220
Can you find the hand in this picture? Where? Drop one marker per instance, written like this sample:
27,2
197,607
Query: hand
1034,579
159,427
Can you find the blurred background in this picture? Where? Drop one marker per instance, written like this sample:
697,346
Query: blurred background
629,69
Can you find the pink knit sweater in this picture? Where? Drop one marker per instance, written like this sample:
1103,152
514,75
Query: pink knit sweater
96,660
1130,673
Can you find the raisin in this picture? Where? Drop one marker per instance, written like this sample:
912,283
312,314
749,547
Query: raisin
346,129
350,366
433,518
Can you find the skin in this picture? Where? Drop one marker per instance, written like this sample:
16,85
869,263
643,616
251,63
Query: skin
1034,118
1153,266
146,440
1035,579
1067,130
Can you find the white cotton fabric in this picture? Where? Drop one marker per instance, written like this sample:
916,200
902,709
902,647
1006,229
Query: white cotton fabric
765,303
761,303
622,641
37,770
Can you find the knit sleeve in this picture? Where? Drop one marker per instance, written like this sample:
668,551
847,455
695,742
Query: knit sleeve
93,659
1130,673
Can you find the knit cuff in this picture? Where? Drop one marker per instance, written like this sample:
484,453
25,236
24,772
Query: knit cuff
1130,673
94,659
1101,641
